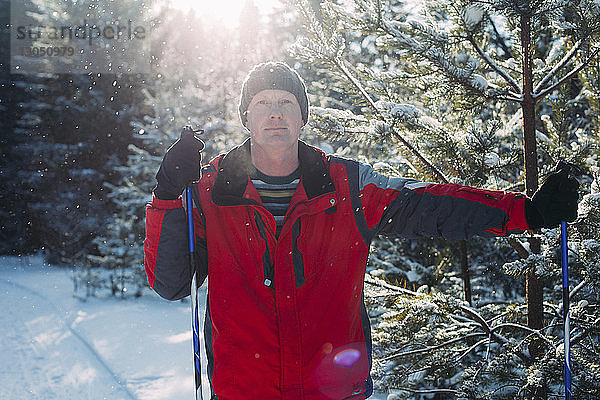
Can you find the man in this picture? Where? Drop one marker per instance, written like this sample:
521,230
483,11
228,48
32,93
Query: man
283,234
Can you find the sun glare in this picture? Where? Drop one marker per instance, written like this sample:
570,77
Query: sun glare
228,11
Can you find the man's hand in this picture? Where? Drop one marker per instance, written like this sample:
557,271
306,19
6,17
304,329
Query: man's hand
554,201
180,165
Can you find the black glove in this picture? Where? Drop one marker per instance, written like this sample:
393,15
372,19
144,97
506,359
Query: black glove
554,201
180,165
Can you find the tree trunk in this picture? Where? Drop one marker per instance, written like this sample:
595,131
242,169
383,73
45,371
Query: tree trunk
535,289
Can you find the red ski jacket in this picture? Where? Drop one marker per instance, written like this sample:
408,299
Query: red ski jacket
285,316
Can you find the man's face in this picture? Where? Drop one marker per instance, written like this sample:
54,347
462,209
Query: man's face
274,120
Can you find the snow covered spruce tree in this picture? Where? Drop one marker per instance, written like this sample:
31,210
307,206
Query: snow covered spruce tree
464,89
68,131
15,231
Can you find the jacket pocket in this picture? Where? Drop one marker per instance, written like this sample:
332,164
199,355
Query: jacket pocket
472,193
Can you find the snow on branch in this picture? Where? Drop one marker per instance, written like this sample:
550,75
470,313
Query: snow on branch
322,43
433,54
559,65
340,64
326,48
496,67
551,7
430,349
334,121
428,31
337,114
570,75
472,16
490,332
409,115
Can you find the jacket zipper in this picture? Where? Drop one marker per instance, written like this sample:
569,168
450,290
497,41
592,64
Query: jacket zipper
268,269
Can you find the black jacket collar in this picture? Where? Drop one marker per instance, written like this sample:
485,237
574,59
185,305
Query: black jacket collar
232,175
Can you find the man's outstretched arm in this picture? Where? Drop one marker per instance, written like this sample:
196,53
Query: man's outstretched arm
408,208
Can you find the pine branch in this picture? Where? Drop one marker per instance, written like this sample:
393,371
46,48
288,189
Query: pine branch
495,67
500,96
532,332
558,311
577,288
559,65
349,131
570,75
501,388
490,331
504,313
432,391
431,348
470,349
579,337
340,65
378,282
500,39
513,99
475,317
550,8
435,57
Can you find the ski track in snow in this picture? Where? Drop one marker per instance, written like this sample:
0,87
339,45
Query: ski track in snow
54,345
30,347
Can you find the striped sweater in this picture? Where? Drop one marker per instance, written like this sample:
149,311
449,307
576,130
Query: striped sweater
276,192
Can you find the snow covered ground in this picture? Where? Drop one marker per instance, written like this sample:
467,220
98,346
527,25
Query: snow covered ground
55,346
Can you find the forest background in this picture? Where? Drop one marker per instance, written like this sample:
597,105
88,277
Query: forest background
488,94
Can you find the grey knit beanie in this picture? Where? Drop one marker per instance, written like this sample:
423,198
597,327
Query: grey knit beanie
273,75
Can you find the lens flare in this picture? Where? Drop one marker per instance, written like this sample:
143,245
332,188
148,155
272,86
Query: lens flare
346,358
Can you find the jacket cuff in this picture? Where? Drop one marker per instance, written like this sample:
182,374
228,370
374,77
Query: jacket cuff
166,204
517,220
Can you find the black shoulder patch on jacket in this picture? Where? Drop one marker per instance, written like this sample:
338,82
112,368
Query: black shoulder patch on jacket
315,172
232,177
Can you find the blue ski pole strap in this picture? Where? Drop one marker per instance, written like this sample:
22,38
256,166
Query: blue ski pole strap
565,292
